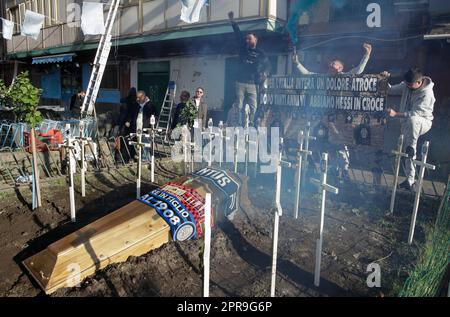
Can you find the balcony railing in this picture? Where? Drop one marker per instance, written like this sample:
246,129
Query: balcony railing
145,17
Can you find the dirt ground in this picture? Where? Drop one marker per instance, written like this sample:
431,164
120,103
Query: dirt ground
358,231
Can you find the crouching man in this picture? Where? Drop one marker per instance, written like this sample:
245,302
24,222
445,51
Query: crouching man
415,113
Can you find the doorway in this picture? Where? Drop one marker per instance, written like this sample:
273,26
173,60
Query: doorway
153,78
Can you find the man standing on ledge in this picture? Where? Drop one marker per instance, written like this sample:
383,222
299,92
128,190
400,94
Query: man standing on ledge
415,112
253,70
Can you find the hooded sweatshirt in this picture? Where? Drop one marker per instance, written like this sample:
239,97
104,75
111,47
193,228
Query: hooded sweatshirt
418,102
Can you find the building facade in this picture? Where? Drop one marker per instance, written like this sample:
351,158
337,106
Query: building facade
151,45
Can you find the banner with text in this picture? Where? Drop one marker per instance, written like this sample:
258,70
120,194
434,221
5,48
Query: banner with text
364,93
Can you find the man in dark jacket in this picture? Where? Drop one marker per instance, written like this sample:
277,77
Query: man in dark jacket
140,113
254,68
139,117
128,104
76,102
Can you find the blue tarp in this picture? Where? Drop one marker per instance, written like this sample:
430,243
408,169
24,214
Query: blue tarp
53,59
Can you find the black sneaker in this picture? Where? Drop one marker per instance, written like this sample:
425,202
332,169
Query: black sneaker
406,185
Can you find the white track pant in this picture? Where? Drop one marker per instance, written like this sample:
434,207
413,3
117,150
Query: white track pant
412,129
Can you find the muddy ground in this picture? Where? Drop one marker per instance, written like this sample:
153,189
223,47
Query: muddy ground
358,231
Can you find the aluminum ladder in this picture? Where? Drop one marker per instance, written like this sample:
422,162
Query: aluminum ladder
101,59
165,117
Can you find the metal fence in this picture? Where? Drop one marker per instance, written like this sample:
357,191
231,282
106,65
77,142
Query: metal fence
89,127
12,133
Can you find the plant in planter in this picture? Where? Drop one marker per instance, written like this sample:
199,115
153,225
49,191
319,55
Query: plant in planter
24,98
188,115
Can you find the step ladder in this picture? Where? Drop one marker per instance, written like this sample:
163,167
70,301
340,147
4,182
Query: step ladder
165,117
101,59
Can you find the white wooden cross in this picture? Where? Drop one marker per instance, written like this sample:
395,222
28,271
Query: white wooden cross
82,142
236,149
398,157
69,145
152,132
139,145
278,214
187,149
423,165
222,137
248,142
186,146
324,188
247,137
211,135
308,137
207,250
302,154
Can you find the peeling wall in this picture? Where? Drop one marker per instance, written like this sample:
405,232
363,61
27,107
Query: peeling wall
207,72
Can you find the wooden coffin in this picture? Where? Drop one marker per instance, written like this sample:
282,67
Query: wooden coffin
132,230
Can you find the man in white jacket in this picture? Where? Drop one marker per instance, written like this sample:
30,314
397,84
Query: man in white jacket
336,67
415,112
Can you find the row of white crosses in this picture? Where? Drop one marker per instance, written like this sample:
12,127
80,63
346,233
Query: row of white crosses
189,146
323,185
149,134
71,144
423,166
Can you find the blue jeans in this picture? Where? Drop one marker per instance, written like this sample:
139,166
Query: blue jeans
246,93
